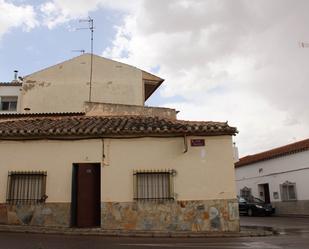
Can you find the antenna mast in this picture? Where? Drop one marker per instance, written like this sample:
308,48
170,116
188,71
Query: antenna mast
303,44
82,51
91,28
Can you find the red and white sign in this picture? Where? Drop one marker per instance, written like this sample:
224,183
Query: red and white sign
197,142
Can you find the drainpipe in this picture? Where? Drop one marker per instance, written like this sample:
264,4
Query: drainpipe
235,153
185,143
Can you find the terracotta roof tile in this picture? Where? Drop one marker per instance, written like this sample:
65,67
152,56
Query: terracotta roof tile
106,126
277,152
10,84
16,115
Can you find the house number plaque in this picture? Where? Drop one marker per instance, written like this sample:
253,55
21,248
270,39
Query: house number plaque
197,142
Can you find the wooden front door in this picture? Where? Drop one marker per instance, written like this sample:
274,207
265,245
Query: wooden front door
266,193
86,189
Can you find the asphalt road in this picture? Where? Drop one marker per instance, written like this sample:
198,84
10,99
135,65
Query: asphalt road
38,241
287,223
295,236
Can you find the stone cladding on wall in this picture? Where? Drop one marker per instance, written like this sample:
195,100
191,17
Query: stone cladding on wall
211,215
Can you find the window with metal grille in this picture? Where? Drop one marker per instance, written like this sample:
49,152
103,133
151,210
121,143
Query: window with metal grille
154,185
288,191
245,193
26,187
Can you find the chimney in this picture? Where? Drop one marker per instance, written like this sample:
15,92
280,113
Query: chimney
15,74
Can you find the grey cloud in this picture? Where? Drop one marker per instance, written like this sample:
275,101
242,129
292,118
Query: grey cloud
236,60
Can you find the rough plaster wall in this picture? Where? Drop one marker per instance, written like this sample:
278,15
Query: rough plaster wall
203,173
52,156
103,109
65,86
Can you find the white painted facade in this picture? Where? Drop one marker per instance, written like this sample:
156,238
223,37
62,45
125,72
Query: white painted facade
65,87
197,173
292,168
10,91
198,170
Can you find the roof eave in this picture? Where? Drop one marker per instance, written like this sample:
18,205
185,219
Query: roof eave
154,89
102,136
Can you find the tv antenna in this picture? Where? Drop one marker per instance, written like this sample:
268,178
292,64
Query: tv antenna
91,28
303,44
82,51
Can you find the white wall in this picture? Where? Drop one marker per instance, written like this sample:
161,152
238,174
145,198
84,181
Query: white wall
203,173
65,87
293,168
11,91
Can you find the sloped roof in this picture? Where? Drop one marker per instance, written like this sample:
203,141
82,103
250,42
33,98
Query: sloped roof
107,126
16,115
151,77
152,83
274,153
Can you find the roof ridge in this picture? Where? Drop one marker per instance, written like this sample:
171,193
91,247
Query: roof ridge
39,114
11,83
273,153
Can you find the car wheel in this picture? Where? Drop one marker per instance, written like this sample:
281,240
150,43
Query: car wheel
250,212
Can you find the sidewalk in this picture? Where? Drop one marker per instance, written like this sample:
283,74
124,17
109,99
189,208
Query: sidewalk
246,231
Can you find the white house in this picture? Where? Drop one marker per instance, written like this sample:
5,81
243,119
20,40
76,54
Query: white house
278,176
109,161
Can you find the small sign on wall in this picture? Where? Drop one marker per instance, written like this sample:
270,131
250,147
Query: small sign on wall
197,142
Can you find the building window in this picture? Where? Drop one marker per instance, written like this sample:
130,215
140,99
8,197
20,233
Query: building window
245,193
288,191
26,187
154,185
8,103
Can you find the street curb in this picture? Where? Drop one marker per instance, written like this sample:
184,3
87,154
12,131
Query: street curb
306,216
246,231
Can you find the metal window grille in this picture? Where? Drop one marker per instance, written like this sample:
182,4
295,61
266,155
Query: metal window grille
245,193
154,185
26,187
288,191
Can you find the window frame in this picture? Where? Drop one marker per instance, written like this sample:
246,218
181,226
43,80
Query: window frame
26,187
245,189
171,194
286,196
9,100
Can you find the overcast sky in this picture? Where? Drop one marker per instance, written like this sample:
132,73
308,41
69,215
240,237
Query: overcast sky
221,60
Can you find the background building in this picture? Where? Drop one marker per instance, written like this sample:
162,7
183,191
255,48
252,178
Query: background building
279,176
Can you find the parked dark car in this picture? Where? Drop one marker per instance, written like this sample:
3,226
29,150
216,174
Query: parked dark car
254,206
